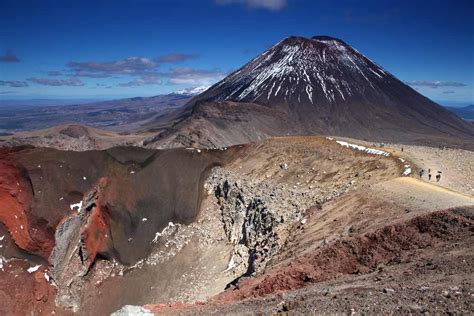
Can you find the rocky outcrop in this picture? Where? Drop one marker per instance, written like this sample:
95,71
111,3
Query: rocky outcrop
79,240
258,216
361,254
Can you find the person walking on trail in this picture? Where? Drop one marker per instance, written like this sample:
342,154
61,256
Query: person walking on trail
429,176
421,173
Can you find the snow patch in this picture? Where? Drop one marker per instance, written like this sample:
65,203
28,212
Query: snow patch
128,310
78,205
375,73
33,269
159,234
407,170
231,264
309,92
192,149
367,150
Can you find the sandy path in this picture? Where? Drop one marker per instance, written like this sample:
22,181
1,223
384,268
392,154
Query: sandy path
456,165
417,194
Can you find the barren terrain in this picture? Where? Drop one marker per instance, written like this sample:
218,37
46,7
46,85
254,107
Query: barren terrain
299,224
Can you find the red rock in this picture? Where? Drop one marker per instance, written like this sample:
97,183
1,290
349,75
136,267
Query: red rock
16,195
95,234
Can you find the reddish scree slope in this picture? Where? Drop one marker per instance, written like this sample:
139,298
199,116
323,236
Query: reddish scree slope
95,233
360,254
16,195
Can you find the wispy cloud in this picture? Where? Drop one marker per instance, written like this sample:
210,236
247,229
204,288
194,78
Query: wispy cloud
272,5
71,82
140,71
448,92
9,57
172,58
127,66
131,66
184,75
54,73
435,84
140,82
13,83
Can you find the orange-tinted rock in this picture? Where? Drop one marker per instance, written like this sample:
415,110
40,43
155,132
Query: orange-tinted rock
16,195
95,234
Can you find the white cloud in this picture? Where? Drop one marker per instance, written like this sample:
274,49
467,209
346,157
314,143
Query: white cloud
71,82
435,84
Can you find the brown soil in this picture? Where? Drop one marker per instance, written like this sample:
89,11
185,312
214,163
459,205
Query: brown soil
373,224
73,137
361,254
22,293
398,267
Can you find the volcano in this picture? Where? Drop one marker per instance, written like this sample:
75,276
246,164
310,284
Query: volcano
306,86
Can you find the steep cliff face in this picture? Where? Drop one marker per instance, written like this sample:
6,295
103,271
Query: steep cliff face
102,209
80,239
16,195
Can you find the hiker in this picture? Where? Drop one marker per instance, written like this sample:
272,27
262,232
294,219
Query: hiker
402,149
421,173
429,176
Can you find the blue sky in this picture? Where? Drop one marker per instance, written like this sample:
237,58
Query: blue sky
113,49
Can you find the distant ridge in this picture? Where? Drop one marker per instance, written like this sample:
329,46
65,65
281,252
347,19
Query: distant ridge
466,112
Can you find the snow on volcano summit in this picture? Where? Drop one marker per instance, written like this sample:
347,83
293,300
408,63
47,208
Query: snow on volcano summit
298,70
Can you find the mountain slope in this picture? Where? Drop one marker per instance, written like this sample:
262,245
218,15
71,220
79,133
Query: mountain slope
304,86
